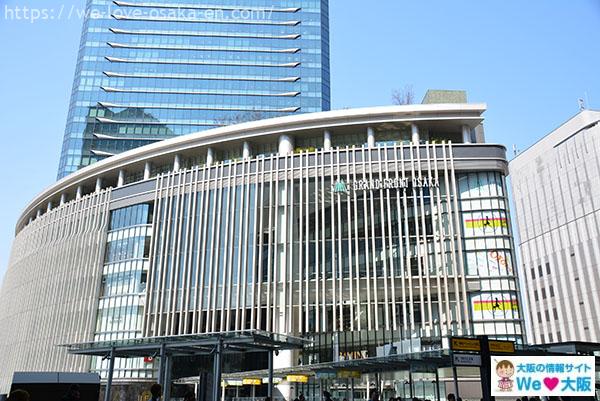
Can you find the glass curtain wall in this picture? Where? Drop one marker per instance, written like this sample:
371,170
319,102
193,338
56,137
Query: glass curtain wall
148,71
123,286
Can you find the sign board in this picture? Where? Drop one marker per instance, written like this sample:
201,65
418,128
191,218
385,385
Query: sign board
487,307
232,382
344,187
507,347
252,382
466,359
349,374
326,374
543,376
464,344
422,367
297,378
276,380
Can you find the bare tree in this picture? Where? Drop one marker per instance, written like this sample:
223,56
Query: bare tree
403,96
240,118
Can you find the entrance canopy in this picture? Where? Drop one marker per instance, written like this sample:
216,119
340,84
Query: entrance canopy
194,344
424,360
215,344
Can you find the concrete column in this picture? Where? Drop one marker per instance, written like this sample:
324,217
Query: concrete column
79,193
63,198
466,134
246,150
39,213
284,359
98,184
217,366
147,170
370,137
162,363
49,207
210,156
286,145
30,219
327,140
177,163
270,376
111,369
167,386
121,179
416,139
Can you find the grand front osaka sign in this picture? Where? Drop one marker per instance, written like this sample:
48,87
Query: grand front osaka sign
341,186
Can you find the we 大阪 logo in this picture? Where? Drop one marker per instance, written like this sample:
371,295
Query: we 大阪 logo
544,376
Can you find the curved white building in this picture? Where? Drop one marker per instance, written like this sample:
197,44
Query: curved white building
355,228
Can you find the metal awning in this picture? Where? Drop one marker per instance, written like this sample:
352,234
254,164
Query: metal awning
437,358
215,344
193,344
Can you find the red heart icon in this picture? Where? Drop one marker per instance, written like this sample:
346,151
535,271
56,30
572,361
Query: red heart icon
551,382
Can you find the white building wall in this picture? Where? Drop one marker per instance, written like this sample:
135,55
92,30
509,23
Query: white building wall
49,295
556,186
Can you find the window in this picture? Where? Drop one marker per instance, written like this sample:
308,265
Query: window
551,291
131,216
229,154
197,160
308,144
533,272
540,270
401,135
265,149
349,140
547,268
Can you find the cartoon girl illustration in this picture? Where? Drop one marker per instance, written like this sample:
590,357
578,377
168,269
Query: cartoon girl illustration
505,369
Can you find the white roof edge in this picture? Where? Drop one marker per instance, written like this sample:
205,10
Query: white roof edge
569,127
415,112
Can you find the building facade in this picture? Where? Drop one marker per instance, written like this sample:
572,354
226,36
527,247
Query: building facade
556,190
148,71
358,229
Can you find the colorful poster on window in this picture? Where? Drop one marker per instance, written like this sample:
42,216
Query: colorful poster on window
486,222
492,263
494,306
480,224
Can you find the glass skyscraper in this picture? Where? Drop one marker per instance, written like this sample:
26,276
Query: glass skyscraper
151,70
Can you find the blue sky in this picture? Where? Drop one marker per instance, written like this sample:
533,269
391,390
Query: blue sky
528,60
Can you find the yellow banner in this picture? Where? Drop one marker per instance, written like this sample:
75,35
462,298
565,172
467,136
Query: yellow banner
465,344
349,374
495,304
502,346
486,223
297,378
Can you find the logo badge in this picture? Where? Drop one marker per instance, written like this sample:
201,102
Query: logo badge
340,187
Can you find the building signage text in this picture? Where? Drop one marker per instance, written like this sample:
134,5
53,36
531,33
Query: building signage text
342,186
